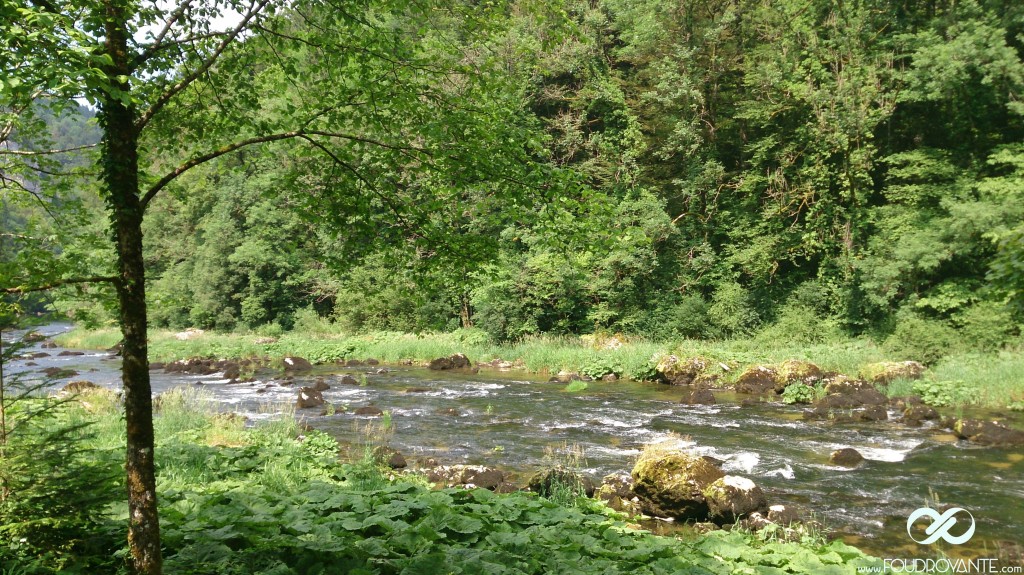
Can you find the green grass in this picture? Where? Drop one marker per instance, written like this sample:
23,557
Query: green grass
239,500
986,380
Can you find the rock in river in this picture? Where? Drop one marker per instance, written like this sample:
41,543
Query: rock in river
846,457
673,484
987,432
733,497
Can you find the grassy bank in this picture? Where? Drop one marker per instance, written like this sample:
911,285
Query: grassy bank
264,499
986,380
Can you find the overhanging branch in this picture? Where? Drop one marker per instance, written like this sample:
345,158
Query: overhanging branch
59,283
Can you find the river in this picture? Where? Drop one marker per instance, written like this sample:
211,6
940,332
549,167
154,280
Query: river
519,423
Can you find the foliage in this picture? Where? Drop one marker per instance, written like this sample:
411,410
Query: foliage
278,503
53,486
799,393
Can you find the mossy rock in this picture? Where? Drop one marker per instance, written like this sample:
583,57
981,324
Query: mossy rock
672,485
888,371
674,370
758,379
733,497
796,371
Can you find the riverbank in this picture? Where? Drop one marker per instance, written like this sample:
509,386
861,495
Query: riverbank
983,380
272,498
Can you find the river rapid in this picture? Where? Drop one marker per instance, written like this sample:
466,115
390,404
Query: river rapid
520,423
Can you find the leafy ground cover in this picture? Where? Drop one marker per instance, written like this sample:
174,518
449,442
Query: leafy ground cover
985,380
237,499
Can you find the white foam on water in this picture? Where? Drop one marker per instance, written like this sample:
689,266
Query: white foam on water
744,461
884,454
785,472
616,423
599,449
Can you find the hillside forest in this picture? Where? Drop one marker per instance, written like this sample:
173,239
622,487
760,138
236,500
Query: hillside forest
669,170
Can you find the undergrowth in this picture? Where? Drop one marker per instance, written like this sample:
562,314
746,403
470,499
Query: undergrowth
267,500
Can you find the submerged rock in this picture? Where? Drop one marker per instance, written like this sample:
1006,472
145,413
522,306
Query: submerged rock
699,397
65,353
348,380
672,485
846,457
733,497
987,432
369,410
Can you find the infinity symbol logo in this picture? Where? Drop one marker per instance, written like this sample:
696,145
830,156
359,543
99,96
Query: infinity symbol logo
941,524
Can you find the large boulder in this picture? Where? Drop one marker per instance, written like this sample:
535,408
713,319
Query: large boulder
617,491
987,432
673,484
887,371
850,398
309,397
757,380
680,371
733,497
455,361
796,371
296,364
549,481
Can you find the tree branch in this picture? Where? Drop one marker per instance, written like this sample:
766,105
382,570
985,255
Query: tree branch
169,177
10,152
158,40
301,133
171,92
60,283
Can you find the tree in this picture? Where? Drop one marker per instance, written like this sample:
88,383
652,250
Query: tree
371,100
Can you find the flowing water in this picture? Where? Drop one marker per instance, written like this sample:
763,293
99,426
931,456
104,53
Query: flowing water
520,424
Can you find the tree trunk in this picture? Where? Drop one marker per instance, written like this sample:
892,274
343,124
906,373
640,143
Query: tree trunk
121,181
465,312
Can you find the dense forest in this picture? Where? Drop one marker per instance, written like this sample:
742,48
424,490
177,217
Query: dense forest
702,170
662,176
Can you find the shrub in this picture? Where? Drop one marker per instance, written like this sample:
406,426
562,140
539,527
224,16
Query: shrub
919,339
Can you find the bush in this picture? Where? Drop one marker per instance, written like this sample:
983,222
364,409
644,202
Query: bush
731,312
987,326
919,339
